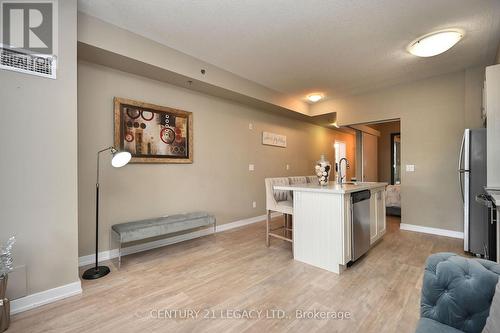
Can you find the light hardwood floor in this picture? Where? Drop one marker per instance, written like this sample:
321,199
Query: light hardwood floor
234,270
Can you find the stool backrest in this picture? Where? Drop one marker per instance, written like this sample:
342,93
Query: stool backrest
297,180
274,196
312,179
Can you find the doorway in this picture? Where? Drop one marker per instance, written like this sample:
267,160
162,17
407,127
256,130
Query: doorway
389,165
379,153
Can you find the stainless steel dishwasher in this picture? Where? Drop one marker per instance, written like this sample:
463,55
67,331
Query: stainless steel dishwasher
360,217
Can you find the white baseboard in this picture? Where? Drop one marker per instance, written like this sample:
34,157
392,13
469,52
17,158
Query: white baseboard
434,231
44,297
111,254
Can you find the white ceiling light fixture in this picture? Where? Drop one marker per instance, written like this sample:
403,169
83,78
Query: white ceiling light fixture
435,43
314,97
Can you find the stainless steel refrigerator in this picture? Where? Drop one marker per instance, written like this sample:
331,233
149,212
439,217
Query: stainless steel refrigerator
472,178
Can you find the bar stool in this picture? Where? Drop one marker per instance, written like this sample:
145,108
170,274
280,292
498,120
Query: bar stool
278,201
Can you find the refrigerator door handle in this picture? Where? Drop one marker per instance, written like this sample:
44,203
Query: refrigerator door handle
463,175
461,185
461,155
460,169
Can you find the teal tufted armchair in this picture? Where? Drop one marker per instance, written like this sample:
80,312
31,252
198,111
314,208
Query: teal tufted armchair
456,293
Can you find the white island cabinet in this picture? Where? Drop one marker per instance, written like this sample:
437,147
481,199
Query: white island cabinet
322,225
377,213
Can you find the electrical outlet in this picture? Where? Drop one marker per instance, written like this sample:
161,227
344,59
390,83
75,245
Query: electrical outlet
250,126
254,204
410,168
251,167
288,166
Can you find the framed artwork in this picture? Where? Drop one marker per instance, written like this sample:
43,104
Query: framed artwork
153,133
273,139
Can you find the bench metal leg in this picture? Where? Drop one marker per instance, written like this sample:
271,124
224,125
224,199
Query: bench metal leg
120,256
118,239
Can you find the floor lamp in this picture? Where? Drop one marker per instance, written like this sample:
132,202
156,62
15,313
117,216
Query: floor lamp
120,158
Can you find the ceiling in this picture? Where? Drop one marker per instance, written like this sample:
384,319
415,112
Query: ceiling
337,47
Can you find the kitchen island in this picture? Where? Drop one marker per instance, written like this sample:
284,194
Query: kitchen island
322,221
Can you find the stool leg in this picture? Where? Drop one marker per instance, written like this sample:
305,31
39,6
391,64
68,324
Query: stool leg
285,233
290,226
268,220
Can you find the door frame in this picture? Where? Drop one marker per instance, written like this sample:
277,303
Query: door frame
392,154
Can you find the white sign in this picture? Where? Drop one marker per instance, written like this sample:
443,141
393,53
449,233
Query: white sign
272,139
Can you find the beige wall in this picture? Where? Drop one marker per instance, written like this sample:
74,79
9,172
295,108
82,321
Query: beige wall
432,114
39,165
218,181
474,83
384,148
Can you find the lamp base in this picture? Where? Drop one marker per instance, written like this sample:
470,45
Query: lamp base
95,273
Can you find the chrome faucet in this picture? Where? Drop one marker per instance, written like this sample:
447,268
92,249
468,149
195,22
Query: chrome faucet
340,177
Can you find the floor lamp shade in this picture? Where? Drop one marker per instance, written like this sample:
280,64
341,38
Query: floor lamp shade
119,159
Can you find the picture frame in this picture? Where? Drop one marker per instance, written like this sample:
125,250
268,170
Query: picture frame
273,139
153,133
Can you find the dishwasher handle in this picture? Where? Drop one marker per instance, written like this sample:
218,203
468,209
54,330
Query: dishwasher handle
360,196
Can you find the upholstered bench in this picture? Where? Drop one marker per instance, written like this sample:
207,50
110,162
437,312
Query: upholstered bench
161,226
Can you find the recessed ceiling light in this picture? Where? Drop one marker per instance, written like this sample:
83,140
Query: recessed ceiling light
314,97
435,43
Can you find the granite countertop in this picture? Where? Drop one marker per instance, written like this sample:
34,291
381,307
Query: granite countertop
332,187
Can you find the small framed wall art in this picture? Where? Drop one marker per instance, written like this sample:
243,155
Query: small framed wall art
153,133
272,139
